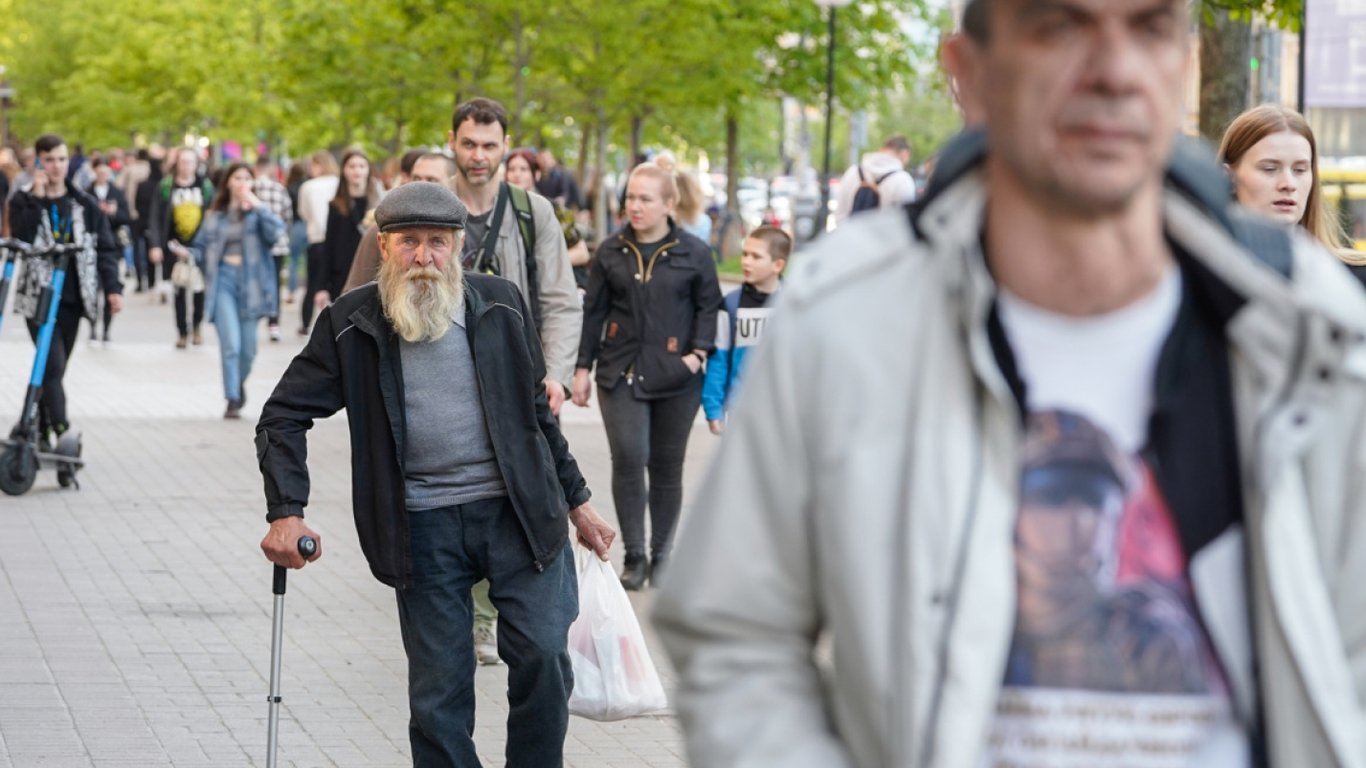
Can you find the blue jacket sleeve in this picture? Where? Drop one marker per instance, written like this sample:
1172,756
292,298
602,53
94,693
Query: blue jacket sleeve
717,381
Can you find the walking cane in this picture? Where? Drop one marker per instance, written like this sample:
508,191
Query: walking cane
307,546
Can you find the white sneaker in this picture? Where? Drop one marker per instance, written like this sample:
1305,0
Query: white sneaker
486,646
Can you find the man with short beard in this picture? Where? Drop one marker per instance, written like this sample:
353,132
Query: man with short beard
459,473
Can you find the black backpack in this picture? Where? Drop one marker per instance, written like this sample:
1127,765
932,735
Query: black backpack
868,197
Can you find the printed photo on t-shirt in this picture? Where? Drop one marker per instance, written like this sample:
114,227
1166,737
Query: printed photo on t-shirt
1109,662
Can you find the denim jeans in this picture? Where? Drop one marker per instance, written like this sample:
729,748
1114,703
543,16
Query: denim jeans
236,334
298,251
452,548
653,435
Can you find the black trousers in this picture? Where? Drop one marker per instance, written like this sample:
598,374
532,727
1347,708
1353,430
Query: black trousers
315,268
279,265
106,316
648,435
183,303
52,405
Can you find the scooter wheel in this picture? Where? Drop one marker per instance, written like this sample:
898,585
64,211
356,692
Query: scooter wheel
18,468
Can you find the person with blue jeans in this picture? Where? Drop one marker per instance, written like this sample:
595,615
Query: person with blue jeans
241,285
459,473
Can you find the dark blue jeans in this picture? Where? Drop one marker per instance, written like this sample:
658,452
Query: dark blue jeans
452,548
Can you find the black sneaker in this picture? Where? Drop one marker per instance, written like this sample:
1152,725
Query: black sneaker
234,410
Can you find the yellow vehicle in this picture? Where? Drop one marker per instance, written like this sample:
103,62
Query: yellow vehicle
1345,191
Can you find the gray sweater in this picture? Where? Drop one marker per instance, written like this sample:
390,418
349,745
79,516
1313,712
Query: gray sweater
448,458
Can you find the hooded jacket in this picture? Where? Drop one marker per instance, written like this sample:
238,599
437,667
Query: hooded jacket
872,496
895,189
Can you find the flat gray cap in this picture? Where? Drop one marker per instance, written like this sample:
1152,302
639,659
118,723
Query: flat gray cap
420,204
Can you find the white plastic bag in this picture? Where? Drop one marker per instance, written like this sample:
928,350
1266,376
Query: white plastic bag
613,676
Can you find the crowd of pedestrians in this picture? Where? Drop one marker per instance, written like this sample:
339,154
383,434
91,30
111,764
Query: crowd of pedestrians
1014,453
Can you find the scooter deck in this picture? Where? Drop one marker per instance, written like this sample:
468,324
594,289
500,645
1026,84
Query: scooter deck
47,459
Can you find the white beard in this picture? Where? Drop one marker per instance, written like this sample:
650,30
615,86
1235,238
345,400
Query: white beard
419,301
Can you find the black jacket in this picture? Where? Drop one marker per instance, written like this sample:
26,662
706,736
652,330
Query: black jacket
123,216
339,247
161,224
144,202
640,319
352,361
26,218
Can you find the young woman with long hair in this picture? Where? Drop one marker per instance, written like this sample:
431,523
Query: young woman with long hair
358,192
1273,159
241,285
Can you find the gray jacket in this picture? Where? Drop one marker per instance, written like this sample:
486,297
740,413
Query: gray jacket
870,498
561,308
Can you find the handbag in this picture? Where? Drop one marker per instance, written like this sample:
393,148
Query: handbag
186,274
614,677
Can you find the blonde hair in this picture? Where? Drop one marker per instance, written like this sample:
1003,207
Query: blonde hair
690,201
326,161
1259,122
668,186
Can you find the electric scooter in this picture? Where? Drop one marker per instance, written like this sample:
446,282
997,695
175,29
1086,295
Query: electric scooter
10,252
24,452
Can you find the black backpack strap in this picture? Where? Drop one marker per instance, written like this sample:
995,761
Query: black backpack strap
526,226
958,158
1267,242
485,259
1197,174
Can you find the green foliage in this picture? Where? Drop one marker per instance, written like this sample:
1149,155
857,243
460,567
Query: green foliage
1285,14
386,73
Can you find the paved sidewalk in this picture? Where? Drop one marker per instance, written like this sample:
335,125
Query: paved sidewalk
135,613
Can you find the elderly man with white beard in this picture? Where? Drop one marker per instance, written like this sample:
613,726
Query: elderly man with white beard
459,473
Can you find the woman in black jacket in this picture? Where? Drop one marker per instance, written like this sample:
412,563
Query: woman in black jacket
649,322
357,194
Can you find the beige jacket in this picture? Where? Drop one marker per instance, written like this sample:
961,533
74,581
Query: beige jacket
561,309
865,492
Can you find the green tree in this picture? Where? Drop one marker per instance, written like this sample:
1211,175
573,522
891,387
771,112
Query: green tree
1225,51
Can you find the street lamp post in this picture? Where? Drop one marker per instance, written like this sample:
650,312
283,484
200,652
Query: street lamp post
823,216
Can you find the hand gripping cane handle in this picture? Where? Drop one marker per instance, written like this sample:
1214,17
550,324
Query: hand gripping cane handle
307,546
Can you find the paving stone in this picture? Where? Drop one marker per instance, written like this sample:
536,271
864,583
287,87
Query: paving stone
135,613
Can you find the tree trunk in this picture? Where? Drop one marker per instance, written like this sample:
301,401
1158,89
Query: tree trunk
523,60
582,175
637,128
729,240
600,210
1225,48
732,162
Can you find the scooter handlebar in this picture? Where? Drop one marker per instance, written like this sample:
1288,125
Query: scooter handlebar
14,246
307,546
60,249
